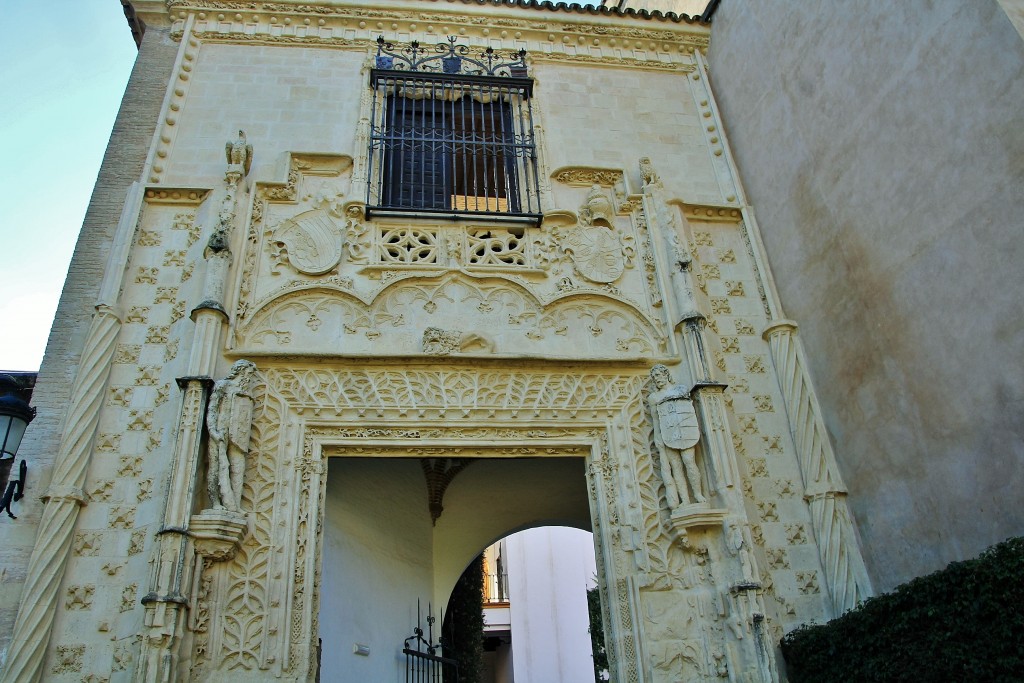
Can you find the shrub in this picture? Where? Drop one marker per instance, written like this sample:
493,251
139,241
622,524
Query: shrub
963,623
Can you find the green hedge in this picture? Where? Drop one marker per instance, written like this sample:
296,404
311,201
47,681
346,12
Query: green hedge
963,623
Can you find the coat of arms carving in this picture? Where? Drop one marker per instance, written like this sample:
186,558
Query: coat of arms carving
311,242
597,251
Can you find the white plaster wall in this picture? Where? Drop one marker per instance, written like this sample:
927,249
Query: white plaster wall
549,570
881,147
377,562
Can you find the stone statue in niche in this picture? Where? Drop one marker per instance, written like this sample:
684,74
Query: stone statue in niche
228,422
597,251
239,153
438,342
676,433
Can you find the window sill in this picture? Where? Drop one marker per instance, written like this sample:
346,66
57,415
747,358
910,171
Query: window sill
455,215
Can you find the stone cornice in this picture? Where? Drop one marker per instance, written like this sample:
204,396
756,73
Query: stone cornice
601,39
571,10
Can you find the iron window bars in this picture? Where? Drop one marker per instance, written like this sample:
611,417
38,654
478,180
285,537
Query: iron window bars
451,135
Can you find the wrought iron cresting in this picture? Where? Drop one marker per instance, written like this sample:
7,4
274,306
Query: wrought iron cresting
449,59
452,135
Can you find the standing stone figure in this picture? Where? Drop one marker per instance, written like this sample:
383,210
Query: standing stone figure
676,434
228,421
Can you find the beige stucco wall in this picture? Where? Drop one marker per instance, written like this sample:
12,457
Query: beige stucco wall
881,146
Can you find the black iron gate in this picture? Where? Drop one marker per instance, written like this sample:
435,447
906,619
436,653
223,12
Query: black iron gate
423,664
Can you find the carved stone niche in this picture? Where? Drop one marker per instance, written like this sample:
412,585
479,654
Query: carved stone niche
218,534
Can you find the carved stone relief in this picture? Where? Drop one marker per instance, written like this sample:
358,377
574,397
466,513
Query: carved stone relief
312,243
332,319
597,252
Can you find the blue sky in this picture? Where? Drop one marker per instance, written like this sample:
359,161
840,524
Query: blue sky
64,82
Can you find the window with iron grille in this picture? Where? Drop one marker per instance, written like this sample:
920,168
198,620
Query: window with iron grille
452,135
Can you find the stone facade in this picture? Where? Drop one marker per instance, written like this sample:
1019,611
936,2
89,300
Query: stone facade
633,323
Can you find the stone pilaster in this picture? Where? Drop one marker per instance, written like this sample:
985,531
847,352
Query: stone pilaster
752,657
175,564
167,600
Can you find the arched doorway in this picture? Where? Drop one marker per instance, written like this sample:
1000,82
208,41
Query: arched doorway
536,618
383,554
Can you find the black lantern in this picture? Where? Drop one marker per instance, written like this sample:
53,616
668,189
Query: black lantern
15,415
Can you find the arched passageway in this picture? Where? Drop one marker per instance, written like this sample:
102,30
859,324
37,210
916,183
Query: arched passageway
383,555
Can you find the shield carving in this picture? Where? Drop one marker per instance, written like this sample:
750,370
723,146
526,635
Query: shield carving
312,240
241,421
678,422
596,253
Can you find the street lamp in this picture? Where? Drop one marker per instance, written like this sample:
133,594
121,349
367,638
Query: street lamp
15,415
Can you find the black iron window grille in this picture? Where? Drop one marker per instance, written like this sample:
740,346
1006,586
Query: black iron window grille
451,135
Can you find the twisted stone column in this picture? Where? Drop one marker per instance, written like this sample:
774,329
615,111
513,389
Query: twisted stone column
845,574
64,497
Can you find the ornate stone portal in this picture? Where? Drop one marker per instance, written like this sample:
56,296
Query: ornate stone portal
622,332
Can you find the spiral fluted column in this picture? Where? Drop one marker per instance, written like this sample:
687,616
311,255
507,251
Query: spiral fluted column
64,497
845,573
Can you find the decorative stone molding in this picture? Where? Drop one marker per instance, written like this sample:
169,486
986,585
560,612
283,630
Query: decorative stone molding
218,534
174,99
696,516
709,213
845,574
669,47
586,176
184,196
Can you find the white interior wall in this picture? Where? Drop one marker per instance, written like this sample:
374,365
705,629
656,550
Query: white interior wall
377,562
549,571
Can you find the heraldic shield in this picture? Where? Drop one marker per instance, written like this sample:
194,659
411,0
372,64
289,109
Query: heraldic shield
678,422
241,422
596,252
